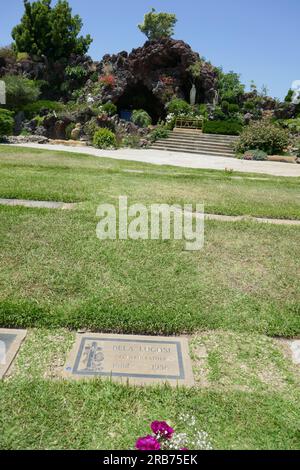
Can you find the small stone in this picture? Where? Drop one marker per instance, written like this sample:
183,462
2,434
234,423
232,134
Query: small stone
295,348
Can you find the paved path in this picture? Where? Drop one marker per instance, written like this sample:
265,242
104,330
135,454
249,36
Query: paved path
242,218
157,157
37,204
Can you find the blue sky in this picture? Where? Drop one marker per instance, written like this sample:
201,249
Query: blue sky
258,39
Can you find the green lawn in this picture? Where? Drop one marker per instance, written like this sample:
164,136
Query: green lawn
38,174
249,398
55,272
232,297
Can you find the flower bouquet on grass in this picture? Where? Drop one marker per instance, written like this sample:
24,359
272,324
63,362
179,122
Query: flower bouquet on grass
164,437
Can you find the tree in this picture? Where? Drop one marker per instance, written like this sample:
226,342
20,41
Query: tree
20,91
230,86
50,31
195,70
289,96
158,25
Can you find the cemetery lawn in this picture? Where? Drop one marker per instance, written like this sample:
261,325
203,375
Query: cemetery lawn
234,299
246,397
56,273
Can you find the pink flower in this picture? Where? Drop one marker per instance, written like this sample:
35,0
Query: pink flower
162,428
147,443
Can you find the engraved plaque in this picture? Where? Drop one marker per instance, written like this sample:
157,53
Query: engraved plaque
10,342
140,360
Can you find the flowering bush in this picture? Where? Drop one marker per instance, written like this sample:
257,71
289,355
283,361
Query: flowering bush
164,437
171,118
108,80
263,135
178,106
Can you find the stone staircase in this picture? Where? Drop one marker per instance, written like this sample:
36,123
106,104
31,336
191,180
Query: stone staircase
194,141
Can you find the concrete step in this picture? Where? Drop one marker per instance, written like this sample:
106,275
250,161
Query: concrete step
209,153
198,151
172,140
209,143
195,142
215,137
196,148
187,131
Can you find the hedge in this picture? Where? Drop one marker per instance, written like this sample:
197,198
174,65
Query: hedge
222,127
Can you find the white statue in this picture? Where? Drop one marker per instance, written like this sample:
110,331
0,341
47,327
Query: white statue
2,92
193,95
216,99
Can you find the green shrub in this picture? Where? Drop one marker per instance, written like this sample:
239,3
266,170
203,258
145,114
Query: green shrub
104,138
6,122
229,108
202,110
233,108
258,155
178,106
110,108
33,109
24,132
131,141
20,91
249,105
94,77
22,56
225,106
297,147
218,114
90,127
222,127
159,133
39,120
141,118
263,135
293,125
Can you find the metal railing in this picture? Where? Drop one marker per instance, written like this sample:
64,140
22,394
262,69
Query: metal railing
186,123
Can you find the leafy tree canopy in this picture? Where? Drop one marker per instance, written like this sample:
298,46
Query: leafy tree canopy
20,91
230,86
289,96
158,25
50,31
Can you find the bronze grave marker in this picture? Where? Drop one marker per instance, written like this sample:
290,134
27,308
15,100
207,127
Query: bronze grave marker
140,360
